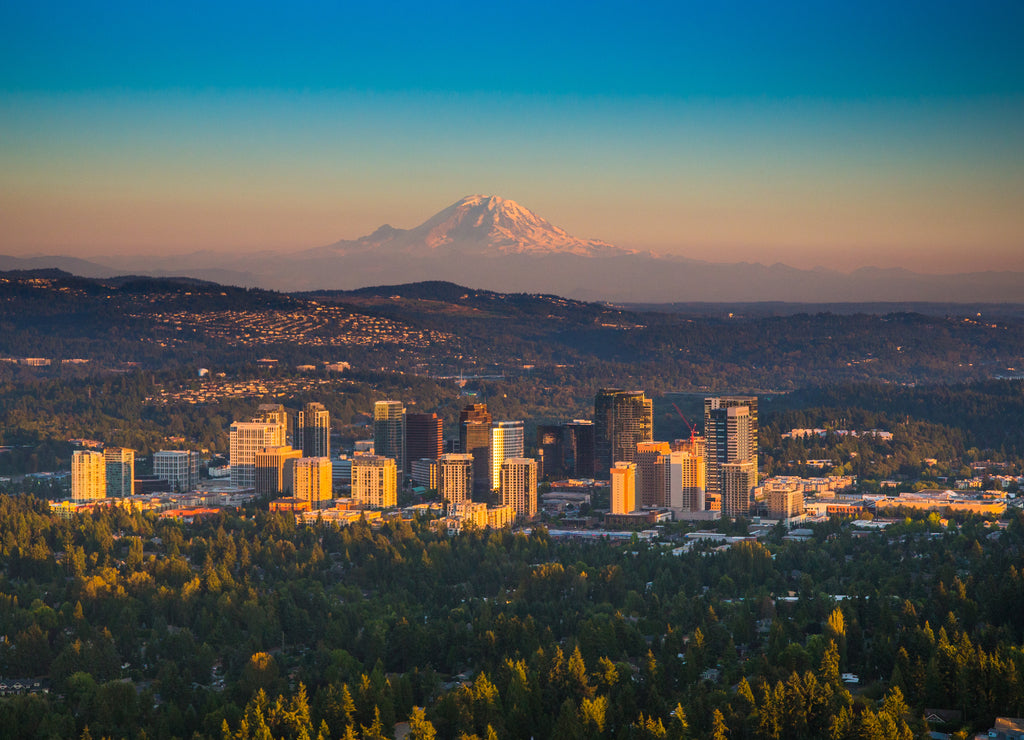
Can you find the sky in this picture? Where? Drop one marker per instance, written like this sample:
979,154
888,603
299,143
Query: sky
814,134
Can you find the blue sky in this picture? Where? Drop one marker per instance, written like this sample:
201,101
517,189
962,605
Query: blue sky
808,133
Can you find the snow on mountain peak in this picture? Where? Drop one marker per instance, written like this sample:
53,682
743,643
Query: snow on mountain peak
481,225
488,223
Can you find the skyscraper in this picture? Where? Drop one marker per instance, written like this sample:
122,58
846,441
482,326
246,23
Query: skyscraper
730,433
120,464
566,449
578,446
246,439
423,437
518,485
314,430
375,481
88,475
551,450
455,477
475,439
623,485
507,439
312,481
621,420
389,433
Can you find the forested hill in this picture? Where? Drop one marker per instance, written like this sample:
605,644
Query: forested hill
444,328
251,627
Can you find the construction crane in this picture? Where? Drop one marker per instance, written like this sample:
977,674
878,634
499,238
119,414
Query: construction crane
693,432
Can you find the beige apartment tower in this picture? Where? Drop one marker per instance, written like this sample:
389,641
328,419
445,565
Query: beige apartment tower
519,485
785,503
738,482
650,482
455,477
680,477
88,476
375,481
312,481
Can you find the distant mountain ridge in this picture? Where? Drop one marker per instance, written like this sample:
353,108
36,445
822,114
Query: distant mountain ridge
496,244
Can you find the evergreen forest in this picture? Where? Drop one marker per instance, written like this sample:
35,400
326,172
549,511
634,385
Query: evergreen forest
244,625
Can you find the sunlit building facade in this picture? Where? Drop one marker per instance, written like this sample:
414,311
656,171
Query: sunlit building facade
275,468
246,438
312,478
375,481
518,485
88,475
455,477
507,440
623,487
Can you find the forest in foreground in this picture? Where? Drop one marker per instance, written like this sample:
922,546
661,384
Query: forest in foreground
246,626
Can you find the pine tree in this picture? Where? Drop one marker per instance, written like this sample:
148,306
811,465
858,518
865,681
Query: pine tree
718,729
419,727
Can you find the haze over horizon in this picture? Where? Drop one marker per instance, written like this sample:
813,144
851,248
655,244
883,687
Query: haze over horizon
873,135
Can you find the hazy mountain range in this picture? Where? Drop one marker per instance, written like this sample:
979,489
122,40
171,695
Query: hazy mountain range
491,243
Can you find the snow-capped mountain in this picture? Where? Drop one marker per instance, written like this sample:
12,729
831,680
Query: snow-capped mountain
479,225
491,243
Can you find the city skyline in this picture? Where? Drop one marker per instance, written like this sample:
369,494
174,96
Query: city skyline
836,137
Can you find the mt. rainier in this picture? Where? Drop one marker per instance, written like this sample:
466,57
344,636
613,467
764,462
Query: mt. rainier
490,243
478,225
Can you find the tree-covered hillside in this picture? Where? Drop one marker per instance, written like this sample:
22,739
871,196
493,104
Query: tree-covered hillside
246,626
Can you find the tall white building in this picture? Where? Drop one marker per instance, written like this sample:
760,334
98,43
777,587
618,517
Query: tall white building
738,482
507,439
180,468
375,481
730,433
518,485
246,439
88,475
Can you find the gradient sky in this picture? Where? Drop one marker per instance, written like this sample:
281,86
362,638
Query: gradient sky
829,134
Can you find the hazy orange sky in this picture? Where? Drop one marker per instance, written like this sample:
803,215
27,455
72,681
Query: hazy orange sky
835,137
